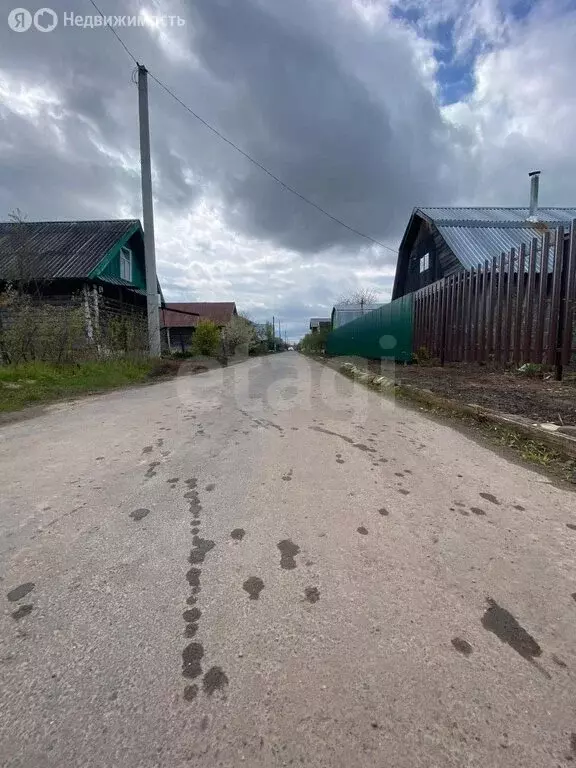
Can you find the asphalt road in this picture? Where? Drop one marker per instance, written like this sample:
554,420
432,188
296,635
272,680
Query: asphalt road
270,565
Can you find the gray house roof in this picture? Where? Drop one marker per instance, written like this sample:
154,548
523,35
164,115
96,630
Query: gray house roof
476,234
316,322
59,249
345,313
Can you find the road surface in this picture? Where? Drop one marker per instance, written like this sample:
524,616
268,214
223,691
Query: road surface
270,565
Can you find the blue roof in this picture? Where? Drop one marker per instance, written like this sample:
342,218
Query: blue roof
476,234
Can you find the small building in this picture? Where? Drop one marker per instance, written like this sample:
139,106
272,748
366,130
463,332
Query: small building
346,313
438,242
179,320
318,324
98,265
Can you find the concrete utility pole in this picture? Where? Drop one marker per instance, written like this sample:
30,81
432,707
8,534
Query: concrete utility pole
148,215
273,333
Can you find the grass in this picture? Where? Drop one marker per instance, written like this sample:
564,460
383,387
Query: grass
37,383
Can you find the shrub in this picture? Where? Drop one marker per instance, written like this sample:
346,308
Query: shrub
206,339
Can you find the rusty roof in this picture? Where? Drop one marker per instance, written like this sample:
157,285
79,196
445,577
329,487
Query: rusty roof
50,250
219,312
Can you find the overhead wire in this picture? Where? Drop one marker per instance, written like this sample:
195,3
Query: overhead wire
238,149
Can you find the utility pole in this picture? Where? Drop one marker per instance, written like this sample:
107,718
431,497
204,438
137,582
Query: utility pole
153,309
279,331
273,334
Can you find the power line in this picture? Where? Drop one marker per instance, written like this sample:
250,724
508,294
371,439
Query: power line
116,35
253,160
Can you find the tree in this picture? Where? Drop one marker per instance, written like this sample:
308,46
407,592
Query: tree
359,296
239,331
314,343
206,338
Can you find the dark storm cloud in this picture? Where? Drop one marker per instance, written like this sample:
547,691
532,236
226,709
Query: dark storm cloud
335,108
307,113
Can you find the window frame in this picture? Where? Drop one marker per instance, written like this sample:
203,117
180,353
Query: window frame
125,259
425,259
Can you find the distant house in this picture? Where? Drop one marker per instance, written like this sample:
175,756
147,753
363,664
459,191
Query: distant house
179,320
318,324
97,264
345,313
439,242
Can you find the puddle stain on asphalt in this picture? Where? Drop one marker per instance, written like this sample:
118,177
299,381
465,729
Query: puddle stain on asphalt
572,526
193,577
238,534
190,692
21,591
191,660
477,511
507,629
462,646
147,449
191,482
403,491
519,507
346,439
139,514
557,660
201,549
288,475
253,585
312,594
214,680
173,480
288,551
384,512
150,472
210,487
491,498
362,530
22,611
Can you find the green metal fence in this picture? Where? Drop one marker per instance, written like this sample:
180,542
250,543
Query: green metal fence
382,333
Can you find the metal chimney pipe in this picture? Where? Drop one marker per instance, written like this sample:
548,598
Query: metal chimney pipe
534,183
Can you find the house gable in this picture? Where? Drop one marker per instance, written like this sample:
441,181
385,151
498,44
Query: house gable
109,267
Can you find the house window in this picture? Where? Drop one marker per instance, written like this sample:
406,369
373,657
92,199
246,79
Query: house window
425,262
126,264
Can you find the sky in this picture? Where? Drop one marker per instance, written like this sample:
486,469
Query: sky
366,107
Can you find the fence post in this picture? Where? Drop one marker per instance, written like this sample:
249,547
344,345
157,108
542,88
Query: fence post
569,298
530,303
508,317
542,296
553,326
444,314
518,339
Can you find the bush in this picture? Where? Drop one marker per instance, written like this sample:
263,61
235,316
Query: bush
206,339
314,343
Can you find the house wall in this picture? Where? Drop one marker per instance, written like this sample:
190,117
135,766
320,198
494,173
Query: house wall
442,261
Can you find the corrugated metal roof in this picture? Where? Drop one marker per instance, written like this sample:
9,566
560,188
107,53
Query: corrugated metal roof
516,216
476,234
345,313
48,250
219,312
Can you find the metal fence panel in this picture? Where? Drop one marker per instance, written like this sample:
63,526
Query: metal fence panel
386,332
